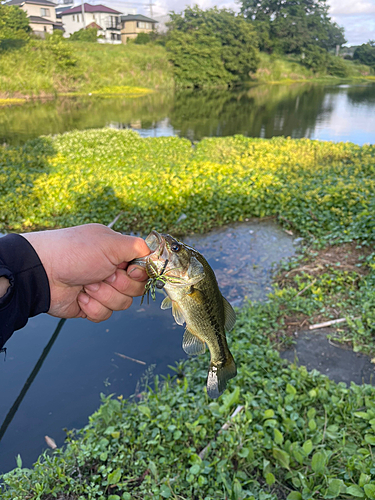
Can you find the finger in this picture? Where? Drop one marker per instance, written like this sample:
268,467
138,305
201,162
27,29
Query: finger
94,310
109,297
137,273
127,248
124,283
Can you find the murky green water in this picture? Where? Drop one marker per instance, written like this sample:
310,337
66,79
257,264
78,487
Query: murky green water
338,113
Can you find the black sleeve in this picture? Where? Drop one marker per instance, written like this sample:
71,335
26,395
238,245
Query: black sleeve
28,293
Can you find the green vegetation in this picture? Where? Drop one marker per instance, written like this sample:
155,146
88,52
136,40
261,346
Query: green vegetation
366,53
325,189
85,35
291,26
211,47
300,436
57,65
14,27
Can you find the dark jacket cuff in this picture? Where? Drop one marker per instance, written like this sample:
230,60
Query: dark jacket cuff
28,293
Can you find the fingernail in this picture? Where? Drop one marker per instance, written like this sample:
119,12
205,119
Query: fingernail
84,298
111,279
136,273
94,287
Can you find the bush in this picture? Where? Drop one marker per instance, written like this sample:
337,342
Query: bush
319,60
142,39
85,35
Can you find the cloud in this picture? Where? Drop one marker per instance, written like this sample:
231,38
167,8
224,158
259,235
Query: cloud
352,8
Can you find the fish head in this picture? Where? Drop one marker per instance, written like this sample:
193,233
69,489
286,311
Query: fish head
174,260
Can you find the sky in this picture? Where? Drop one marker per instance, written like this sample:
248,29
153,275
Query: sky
356,16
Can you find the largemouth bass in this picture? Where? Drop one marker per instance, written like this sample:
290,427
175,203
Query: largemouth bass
194,296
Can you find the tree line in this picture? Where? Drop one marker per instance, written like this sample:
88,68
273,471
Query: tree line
218,47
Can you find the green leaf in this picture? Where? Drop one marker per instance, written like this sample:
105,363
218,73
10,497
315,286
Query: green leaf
270,478
145,410
279,438
294,495
370,490
232,398
194,469
334,488
269,414
307,447
370,439
165,492
114,477
355,491
114,497
19,461
282,457
318,462
290,389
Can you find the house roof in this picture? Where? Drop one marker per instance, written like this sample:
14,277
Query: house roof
137,17
94,25
36,2
39,20
90,8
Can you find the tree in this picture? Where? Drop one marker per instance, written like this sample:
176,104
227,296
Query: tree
294,24
365,53
14,25
221,45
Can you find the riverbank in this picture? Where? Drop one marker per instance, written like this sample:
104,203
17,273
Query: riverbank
299,435
41,70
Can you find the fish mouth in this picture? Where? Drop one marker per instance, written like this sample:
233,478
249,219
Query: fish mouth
155,242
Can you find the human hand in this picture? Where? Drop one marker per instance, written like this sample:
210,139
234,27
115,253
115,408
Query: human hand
87,269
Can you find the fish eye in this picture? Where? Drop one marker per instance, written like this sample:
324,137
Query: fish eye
175,247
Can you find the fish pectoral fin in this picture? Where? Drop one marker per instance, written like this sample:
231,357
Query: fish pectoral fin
177,313
229,314
192,345
195,270
218,376
166,304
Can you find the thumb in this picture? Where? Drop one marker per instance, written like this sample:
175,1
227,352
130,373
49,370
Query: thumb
125,248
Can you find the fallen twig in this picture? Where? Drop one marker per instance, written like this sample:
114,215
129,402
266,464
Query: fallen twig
131,359
111,224
328,323
203,453
306,288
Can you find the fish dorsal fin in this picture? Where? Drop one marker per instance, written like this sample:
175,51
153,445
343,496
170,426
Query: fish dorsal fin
195,271
229,314
177,313
192,345
167,303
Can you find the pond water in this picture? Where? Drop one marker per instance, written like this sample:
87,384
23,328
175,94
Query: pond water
326,112
51,382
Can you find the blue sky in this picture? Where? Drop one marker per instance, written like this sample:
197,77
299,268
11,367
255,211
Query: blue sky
356,16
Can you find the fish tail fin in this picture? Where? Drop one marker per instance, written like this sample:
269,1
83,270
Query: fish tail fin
218,376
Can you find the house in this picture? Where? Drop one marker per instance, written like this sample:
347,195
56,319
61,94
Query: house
41,14
134,24
106,20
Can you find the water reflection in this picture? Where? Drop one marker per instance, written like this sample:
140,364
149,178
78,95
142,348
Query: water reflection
297,110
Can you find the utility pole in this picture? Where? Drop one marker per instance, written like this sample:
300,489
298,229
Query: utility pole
151,4
83,14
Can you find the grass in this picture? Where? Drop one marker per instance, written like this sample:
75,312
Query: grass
300,435
281,68
39,69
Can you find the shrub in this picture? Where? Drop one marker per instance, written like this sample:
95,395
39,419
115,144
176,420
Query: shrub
85,35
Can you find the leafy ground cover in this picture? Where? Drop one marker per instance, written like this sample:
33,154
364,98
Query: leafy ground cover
300,436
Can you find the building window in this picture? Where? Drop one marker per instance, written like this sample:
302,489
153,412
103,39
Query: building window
45,12
145,26
73,17
94,17
45,28
77,18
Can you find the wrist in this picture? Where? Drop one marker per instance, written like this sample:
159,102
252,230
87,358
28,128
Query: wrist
4,285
